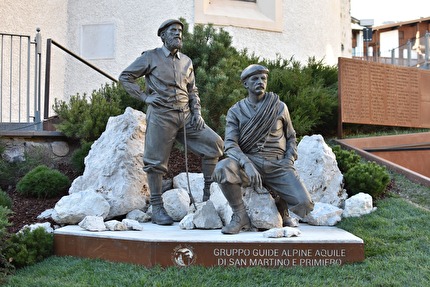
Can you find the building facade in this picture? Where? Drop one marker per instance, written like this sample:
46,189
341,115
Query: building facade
110,34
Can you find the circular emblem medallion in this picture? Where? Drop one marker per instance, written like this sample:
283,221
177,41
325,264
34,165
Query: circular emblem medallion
183,255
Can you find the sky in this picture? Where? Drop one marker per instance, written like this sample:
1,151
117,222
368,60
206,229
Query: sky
390,10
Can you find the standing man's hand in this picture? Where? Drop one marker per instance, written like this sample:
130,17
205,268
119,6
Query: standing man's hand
197,121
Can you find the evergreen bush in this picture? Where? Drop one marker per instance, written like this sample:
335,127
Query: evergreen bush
84,118
43,182
5,199
217,66
346,159
12,172
79,155
6,267
368,178
310,91
29,247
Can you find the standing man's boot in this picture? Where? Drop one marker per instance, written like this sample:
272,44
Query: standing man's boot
208,166
159,214
240,219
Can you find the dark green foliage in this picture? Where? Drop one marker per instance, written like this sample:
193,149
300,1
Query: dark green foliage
6,267
12,172
346,159
368,178
43,182
118,93
5,199
310,91
217,68
84,118
79,155
29,247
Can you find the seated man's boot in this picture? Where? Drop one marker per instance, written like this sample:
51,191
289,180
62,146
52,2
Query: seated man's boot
239,221
287,220
160,216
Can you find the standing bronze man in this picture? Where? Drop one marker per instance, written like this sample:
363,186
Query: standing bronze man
261,147
173,109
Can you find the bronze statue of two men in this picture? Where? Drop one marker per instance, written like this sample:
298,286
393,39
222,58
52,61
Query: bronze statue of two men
260,141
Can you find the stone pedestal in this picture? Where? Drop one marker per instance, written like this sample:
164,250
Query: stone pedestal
172,246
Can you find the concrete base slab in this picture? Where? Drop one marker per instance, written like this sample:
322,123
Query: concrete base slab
172,246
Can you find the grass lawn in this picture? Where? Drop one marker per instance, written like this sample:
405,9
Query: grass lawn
397,251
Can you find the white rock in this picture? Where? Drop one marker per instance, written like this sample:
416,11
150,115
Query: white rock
176,202
290,231
132,224
138,215
115,225
187,222
281,232
196,184
46,214
324,214
262,210
73,208
46,226
206,216
93,223
221,204
358,205
274,233
317,168
114,165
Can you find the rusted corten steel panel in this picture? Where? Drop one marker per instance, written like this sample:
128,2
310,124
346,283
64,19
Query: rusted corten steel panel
237,254
382,94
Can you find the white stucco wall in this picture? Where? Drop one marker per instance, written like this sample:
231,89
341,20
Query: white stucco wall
23,17
310,28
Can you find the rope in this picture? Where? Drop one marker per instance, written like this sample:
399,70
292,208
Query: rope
186,165
258,127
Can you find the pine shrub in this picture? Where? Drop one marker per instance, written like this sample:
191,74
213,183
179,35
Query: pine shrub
310,91
368,178
78,157
84,118
217,66
5,199
12,172
346,159
43,182
29,247
6,268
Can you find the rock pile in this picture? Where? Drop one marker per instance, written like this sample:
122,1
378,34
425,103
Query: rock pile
115,185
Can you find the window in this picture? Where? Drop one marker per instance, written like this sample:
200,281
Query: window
255,14
97,41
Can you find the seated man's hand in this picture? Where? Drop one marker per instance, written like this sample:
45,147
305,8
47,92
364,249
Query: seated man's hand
197,121
253,176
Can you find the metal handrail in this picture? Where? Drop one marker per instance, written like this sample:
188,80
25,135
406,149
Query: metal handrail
422,42
49,43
